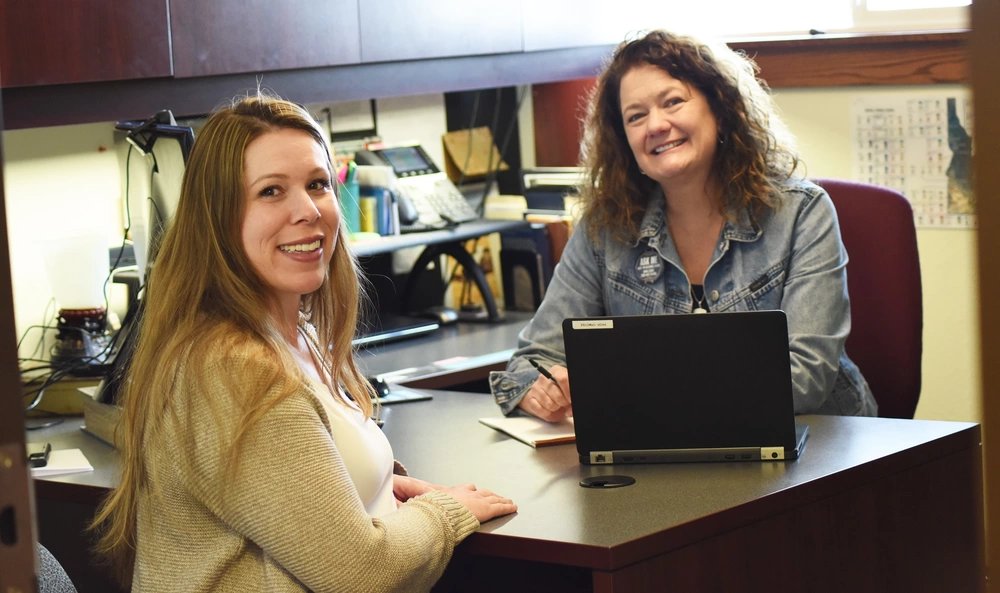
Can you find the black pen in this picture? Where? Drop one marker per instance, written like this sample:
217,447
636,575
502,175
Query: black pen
545,373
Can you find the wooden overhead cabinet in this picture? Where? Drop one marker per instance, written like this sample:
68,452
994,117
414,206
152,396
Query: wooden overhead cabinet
236,36
52,42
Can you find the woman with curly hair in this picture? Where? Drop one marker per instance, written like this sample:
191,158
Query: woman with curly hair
693,204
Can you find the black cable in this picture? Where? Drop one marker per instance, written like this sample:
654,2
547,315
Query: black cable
50,380
489,158
47,313
468,148
24,336
492,174
33,369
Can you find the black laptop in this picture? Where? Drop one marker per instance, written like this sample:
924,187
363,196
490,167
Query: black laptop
673,388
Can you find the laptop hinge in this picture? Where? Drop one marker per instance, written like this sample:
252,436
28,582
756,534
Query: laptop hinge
772,453
601,457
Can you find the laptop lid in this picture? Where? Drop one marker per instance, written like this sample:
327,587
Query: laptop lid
665,388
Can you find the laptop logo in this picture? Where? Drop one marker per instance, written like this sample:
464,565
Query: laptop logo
594,324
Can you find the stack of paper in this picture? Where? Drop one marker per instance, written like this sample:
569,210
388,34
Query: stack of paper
63,461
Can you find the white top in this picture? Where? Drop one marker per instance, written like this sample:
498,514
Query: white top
366,452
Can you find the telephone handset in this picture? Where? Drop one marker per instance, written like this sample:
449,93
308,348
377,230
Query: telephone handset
427,198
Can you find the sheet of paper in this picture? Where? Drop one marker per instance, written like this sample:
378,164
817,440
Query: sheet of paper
63,461
533,431
920,144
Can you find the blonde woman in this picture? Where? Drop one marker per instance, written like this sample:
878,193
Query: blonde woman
250,460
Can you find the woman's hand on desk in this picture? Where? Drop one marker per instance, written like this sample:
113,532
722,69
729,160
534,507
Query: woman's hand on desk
548,397
484,504
406,487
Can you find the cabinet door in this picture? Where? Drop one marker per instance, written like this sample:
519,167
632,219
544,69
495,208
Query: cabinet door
233,36
46,42
406,30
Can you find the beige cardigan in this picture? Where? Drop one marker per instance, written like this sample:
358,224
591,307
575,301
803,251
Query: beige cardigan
290,519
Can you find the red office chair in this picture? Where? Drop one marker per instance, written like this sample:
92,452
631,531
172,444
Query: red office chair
883,281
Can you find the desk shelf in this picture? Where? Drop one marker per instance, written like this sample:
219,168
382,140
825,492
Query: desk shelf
462,232
443,242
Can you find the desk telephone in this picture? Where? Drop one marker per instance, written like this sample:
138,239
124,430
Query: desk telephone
427,198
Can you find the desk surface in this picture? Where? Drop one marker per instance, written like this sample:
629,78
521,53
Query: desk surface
906,493
669,506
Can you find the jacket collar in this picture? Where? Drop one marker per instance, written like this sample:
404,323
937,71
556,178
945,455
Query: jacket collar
654,222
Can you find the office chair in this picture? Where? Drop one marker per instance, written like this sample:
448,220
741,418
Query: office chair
52,578
883,281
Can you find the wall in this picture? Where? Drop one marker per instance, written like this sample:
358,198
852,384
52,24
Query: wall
59,182
951,361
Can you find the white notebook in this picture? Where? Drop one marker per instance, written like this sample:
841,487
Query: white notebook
533,431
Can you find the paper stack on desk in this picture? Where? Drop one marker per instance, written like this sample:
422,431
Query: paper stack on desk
533,431
63,461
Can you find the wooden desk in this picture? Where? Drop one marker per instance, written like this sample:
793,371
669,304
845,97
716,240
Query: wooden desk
872,505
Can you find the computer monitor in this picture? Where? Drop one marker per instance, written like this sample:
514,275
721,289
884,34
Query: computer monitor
152,161
153,157
546,188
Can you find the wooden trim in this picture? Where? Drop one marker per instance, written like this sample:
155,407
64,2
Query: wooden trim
30,107
18,554
862,59
817,61
985,48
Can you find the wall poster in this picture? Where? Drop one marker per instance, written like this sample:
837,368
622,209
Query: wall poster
921,145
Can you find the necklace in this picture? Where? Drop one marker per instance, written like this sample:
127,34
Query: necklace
698,301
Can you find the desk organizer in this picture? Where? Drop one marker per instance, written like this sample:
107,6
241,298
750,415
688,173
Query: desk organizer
100,420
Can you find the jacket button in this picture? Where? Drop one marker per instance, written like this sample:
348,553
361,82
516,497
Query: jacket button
714,295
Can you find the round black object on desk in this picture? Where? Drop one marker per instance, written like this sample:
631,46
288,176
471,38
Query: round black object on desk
607,481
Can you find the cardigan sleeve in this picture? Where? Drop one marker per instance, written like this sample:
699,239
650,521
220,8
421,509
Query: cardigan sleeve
289,493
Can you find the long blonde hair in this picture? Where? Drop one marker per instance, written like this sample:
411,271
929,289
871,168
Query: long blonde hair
203,295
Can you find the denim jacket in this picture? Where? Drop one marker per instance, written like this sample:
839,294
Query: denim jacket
789,257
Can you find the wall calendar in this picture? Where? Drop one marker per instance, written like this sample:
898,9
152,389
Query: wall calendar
921,146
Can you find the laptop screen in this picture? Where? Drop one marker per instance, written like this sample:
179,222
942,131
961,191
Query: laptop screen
662,382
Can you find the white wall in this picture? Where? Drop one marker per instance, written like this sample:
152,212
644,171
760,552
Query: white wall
950,390
59,182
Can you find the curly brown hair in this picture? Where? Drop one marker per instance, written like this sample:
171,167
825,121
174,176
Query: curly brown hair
756,153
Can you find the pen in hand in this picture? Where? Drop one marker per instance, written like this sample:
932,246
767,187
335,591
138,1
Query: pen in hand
545,373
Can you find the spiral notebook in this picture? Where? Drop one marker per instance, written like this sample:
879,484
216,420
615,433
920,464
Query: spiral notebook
671,388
